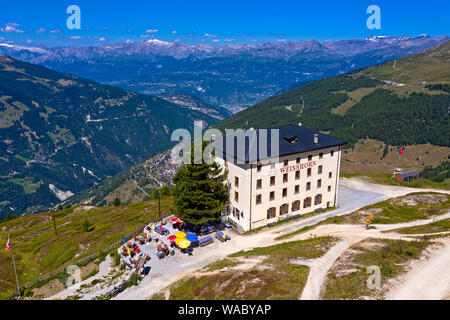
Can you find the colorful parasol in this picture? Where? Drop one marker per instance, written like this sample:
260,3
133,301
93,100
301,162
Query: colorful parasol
184,244
174,220
171,238
180,234
192,237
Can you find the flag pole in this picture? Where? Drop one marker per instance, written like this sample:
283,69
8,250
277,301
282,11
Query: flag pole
14,264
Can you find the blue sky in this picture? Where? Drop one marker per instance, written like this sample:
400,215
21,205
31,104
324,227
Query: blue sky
215,22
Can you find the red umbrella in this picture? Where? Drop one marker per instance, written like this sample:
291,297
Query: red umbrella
174,220
172,238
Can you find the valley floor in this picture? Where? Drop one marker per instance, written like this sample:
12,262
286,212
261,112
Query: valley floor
353,194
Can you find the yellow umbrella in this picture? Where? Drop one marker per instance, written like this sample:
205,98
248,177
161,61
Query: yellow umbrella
184,243
178,240
180,234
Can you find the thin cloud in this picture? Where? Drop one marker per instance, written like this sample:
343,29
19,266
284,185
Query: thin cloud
216,40
11,27
151,31
211,35
41,30
229,40
55,31
174,32
75,38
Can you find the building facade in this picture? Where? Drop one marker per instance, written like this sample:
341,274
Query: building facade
303,178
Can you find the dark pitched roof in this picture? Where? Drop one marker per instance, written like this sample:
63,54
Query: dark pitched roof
407,174
292,139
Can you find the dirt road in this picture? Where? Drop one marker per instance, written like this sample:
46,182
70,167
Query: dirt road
429,279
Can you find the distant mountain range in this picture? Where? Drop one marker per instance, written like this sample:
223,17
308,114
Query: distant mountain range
61,134
232,76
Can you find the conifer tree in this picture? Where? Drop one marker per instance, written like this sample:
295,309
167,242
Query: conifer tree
200,192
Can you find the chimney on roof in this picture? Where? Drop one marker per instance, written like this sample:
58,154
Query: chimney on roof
316,138
299,124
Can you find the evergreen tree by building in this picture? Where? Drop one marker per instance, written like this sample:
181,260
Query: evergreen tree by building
200,191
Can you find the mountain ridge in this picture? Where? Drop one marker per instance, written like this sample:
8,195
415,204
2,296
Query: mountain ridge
234,76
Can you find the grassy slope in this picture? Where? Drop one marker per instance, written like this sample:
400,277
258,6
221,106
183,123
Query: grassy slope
374,157
434,227
38,250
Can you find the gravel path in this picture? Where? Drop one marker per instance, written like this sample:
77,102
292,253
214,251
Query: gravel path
427,280
319,269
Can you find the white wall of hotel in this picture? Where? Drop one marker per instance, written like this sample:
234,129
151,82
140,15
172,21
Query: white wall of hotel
257,214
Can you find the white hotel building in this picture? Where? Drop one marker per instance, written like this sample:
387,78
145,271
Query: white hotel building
303,178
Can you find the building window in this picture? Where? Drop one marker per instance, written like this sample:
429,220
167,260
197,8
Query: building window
272,180
259,184
236,196
308,186
295,205
284,192
284,208
272,195
307,202
329,188
328,204
297,189
318,199
310,157
332,153
319,170
319,183
321,155
285,177
308,173
297,175
286,162
258,199
236,181
330,174
297,160
271,212
258,168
